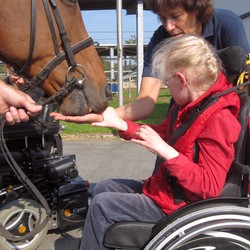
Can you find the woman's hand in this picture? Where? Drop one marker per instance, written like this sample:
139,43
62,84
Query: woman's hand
108,118
89,118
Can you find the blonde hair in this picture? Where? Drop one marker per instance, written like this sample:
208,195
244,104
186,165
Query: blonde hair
189,53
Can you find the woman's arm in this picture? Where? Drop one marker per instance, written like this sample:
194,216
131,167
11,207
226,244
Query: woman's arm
143,106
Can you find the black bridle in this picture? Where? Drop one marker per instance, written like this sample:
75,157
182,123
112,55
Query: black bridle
67,53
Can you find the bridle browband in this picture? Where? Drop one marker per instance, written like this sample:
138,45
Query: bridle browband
67,53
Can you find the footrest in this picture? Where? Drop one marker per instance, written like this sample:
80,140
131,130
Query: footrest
131,235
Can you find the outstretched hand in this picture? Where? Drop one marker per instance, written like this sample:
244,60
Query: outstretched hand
89,118
108,118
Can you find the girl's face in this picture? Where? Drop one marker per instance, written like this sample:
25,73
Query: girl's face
177,22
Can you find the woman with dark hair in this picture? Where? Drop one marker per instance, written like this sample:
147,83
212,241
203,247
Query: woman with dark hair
204,9
221,28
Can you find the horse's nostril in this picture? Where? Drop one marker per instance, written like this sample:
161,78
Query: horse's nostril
89,110
74,104
108,94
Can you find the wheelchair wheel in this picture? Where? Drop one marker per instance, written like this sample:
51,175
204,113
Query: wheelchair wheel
19,217
221,227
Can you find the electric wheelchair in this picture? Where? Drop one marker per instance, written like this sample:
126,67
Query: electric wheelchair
219,223
40,189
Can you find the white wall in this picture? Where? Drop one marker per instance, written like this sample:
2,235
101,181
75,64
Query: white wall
239,7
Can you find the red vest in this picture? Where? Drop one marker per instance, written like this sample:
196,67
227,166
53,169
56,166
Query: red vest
157,187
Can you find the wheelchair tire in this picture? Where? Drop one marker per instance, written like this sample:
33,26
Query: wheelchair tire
219,227
19,216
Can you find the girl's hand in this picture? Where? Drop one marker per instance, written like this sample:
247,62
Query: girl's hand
111,120
154,143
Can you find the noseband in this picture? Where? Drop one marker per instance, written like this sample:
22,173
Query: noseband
67,53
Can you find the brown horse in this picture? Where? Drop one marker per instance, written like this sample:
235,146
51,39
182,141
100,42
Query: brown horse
46,41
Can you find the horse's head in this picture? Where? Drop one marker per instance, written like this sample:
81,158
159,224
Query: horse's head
56,52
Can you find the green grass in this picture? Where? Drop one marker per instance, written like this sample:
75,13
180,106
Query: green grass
156,117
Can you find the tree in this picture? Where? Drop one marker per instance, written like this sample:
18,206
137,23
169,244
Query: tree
131,40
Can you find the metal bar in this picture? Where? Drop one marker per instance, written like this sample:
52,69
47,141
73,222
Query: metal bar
119,51
112,68
139,29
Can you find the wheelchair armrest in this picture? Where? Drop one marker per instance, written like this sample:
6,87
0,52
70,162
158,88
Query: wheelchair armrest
131,235
30,129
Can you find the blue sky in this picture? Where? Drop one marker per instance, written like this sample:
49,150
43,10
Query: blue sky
101,25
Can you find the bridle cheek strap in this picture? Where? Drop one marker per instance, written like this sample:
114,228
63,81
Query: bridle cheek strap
63,34
67,53
28,61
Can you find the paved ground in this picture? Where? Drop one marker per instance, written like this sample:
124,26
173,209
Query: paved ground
98,160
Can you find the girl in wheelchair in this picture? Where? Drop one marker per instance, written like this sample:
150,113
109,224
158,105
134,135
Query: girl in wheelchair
197,158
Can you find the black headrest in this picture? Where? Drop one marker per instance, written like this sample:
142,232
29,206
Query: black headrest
234,59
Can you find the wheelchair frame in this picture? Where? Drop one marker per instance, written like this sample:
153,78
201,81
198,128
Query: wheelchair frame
40,188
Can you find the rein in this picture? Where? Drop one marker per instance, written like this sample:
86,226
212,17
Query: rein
67,53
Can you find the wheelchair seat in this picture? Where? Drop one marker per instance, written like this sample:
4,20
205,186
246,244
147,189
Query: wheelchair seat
232,203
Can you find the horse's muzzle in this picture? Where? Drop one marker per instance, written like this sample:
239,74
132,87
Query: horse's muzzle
79,103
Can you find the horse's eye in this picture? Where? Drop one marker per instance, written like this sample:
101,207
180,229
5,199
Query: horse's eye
70,2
